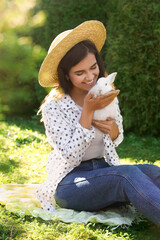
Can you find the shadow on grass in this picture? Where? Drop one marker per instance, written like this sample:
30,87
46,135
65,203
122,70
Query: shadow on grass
141,231
9,166
140,148
10,225
12,168
27,123
20,140
145,230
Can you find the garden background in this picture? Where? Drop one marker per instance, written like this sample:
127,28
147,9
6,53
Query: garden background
132,49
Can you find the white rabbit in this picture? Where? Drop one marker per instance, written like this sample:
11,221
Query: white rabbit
103,86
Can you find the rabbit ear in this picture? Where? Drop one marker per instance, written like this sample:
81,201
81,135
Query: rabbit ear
101,81
111,77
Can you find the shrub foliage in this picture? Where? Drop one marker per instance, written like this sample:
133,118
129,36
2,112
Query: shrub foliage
133,51
20,58
66,14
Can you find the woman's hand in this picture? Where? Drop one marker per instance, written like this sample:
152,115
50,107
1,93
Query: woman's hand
107,126
91,104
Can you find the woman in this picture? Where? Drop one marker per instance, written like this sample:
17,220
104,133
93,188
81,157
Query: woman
84,172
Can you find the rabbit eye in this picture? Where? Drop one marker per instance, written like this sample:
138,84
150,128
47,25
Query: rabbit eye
106,84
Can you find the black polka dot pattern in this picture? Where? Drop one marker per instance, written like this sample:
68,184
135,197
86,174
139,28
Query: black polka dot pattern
69,141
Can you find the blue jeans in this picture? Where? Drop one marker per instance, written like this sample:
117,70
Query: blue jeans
95,185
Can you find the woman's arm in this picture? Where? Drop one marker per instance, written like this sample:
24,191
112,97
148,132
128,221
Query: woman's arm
107,126
65,133
113,127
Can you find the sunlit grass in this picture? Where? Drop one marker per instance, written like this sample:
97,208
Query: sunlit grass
24,151
23,154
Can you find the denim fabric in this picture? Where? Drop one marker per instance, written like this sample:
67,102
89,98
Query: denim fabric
95,185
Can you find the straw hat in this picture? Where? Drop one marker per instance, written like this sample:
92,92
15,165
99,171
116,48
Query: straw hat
90,30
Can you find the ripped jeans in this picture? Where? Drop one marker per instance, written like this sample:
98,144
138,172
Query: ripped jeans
95,185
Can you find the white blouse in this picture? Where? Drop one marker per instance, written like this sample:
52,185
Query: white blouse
70,142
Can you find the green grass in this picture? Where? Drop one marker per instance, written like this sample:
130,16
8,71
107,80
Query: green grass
24,150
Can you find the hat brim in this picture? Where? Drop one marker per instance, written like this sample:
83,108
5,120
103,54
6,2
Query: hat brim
90,30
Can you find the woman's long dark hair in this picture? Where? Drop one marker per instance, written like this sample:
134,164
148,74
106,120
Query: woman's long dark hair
73,57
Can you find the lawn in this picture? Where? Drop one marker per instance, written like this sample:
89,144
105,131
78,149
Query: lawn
24,150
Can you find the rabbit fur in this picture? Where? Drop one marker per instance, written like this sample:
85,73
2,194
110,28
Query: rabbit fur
103,86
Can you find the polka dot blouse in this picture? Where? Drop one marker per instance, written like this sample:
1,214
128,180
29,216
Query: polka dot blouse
69,141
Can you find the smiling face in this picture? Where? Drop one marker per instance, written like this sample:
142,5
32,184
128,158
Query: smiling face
84,75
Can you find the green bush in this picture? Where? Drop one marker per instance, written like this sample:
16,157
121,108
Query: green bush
20,59
66,14
133,50
18,75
